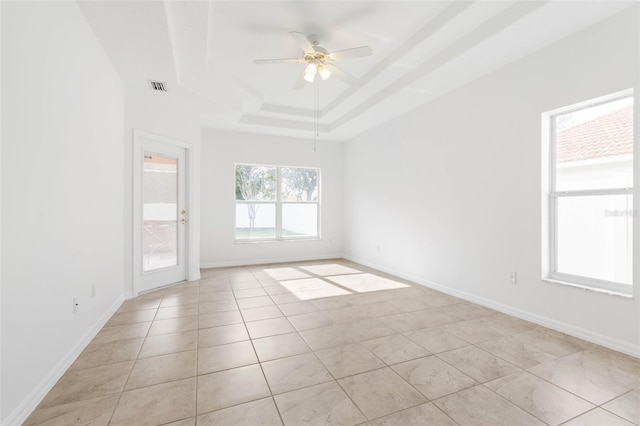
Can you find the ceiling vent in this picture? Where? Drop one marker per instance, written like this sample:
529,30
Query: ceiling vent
158,85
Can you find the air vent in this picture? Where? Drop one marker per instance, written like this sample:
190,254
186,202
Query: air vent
158,85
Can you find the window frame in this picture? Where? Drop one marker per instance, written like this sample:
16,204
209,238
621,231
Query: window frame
553,195
278,202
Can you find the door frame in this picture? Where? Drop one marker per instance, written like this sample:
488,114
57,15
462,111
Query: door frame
192,203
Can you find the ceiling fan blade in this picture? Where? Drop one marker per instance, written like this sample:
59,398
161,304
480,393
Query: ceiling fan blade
301,83
302,41
341,74
278,61
356,52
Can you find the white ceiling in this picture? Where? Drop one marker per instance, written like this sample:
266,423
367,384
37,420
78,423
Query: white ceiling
421,50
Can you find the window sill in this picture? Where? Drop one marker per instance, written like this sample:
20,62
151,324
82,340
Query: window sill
589,288
287,240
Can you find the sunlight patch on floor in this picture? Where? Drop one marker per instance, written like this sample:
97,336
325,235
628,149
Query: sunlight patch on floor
313,288
285,273
362,283
327,269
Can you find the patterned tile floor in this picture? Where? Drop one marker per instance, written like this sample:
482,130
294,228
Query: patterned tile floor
333,342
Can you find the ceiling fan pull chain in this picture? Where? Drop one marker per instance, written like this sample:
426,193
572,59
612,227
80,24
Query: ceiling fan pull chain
317,133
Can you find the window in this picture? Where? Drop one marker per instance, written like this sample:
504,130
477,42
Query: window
276,203
590,193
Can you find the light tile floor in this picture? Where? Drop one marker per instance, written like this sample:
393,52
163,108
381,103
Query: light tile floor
333,342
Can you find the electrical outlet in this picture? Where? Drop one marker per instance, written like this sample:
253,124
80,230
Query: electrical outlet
75,305
513,277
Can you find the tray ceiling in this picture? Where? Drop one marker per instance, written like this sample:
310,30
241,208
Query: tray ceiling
421,50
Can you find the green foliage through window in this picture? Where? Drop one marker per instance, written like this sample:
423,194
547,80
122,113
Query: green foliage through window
255,183
299,184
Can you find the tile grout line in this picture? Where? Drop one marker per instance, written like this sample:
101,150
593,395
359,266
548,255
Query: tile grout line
476,346
330,373
115,407
562,388
621,395
273,398
594,409
171,293
195,414
522,370
264,376
388,414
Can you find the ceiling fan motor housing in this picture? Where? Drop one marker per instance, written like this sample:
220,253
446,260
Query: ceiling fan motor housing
321,55
318,58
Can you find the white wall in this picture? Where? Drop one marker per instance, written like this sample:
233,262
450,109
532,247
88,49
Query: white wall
451,192
1,416
220,152
62,196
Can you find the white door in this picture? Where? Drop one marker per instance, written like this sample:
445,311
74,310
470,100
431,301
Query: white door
162,215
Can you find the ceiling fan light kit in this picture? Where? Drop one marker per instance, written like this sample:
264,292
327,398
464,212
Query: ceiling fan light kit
310,72
318,59
324,73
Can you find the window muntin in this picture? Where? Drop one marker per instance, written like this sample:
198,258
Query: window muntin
590,193
276,203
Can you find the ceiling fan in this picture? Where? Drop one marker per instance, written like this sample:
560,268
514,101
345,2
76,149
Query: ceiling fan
318,59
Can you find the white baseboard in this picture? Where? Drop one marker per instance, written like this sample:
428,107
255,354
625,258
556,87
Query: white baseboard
570,329
267,261
24,409
194,277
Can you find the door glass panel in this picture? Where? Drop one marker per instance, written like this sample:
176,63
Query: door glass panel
160,212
